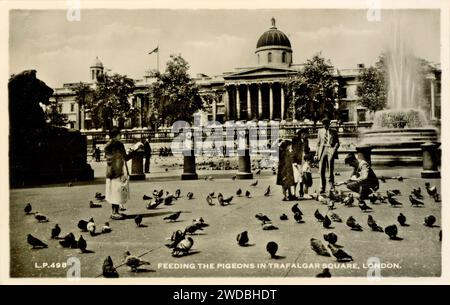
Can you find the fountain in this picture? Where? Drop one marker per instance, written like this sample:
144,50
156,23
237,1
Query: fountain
399,131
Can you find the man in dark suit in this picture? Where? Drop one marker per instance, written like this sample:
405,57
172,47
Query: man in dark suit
147,155
326,152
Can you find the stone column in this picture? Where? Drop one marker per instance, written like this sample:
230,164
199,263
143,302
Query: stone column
433,105
214,109
282,103
260,109
249,103
271,102
226,100
83,117
430,160
238,103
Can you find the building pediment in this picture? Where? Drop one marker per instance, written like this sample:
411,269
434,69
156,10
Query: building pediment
260,72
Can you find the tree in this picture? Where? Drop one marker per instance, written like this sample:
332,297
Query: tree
372,88
83,97
54,117
110,101
174,95
313,90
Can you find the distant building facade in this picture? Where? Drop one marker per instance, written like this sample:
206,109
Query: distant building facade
247,93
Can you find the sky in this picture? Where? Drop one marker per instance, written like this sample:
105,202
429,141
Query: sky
212,41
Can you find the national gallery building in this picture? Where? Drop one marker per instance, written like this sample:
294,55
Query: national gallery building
248,93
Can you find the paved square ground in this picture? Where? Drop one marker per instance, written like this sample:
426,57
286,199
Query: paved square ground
418,254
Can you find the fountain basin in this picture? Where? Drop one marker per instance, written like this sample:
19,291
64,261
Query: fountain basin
398,146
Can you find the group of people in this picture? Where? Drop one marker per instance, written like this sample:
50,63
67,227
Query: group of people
294,167
296,161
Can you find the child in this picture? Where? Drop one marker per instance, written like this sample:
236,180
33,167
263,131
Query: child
306,181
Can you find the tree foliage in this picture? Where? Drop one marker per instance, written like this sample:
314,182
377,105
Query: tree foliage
174,95
110,101
54,117
372,88
313,90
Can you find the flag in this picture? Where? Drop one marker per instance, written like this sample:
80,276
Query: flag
155,50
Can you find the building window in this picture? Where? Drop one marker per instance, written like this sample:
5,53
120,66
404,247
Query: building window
60,108
92,72
283,57
343,92
269,57
72,125
72,107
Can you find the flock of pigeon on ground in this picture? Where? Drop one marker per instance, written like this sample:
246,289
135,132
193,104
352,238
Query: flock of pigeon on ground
181,241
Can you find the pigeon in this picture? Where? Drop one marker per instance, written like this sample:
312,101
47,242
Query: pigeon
82,225
190,195
91,226
296,209
70,184
331,205
69,241
225,201
318,247
133,262
183,247
391,231
177,236
169,199
247,194
431,190
330,238
191,229
239,192
28,208
382,178
108,269
324,274
373,224
436,198
351,222
154,204
318,216
269,226
272,248
93,205
415,202
394,202
41,217
242,238
156,193
258,172
211,195
402,220
82,244
35,242
340,254
106,228
138,220
254,183
177,193
209,200
160,193
145,197
56,231
234,177
363,206
173,217
267,192
429,221
417,192
392,193
99,196
263,218
283,217
348,201
326,222
298,217
335,217
200,222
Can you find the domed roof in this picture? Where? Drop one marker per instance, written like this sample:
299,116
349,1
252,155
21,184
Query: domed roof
273,37
97,63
